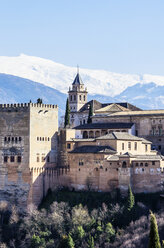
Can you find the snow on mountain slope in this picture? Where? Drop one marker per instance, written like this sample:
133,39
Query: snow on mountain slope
145,96
19,90
60,77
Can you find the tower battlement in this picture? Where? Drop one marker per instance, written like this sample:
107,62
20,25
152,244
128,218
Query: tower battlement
23,106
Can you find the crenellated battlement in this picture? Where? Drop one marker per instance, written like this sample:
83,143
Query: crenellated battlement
4,107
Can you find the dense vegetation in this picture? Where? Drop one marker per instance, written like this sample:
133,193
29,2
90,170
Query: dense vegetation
83,219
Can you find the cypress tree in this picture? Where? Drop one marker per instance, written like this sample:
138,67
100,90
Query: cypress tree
162,243
154,241
130,200
90,113
70,242
67,115
91,242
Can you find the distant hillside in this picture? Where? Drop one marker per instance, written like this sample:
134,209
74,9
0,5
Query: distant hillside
19,90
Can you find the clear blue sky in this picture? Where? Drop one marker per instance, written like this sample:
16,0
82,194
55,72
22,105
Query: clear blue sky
117,35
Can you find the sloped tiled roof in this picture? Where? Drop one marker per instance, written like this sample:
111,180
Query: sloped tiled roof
143,112
112,108
94,149
109,125
119,136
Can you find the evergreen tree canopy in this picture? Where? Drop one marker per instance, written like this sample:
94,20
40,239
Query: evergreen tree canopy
70,242
39,101
90,114
67,115
154,241
130,200
91,242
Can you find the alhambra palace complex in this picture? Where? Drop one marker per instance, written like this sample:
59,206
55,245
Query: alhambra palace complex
123,145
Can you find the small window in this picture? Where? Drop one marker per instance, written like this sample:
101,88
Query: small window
136,164
141,164
106,169
8,139
70,98
145,148
146,164
159,148
142,169
153,162
5,159
129,145
74,98
68,146
80,97
45,138
97,169
19,159
12,139
20,139
136,132
5,139
16,139
124,164
48,159
48,139
123,147
12,159
84,98
40,138
135,145
37,159
81,163
83,121
37,138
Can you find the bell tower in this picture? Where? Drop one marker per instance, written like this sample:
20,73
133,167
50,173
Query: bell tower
77,96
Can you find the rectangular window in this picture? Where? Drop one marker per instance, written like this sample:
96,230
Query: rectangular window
135,145
12,159
129,145
68,146
37,159
48,159
153,162
145,148
123,146
5,159
19,159
81,162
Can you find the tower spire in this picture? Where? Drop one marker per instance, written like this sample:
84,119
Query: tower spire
77,69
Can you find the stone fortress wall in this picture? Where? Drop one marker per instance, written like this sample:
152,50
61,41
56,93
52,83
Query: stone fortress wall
28,151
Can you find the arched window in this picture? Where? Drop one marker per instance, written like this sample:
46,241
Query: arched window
124,164
141,164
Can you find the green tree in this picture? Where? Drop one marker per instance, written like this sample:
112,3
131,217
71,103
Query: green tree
70,242
91,243
162,243
90,113
80,232
154,241
67,114
109,231
39,101
130,200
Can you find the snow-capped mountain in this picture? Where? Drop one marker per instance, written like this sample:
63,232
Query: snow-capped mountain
25,78
60,77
